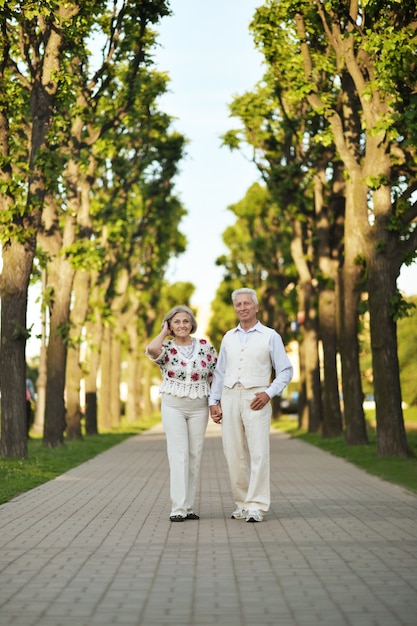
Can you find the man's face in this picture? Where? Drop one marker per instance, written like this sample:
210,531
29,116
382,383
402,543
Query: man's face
245,308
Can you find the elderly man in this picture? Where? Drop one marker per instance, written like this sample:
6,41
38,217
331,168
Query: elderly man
240,399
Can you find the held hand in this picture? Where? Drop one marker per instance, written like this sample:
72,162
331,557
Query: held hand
216,413
260,400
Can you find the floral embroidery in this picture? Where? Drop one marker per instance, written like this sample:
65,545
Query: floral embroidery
184,377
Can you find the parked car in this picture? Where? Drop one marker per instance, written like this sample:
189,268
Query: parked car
289,403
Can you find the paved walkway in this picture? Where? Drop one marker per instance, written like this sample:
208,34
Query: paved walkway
95,546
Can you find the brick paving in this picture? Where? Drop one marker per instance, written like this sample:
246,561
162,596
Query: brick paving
95,546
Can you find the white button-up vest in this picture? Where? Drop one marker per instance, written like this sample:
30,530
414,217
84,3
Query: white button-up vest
249,365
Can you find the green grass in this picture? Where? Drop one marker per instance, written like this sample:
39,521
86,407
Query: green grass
397,470
43,464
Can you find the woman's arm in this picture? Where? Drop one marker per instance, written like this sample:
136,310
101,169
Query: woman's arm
154,349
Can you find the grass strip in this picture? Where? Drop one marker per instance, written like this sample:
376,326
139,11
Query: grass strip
398,470
43,464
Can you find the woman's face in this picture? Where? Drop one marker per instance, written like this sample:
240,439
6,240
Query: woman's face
180,325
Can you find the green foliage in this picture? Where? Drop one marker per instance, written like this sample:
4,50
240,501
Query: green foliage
19,332
399,306
259,257
88,156
85,254
332,127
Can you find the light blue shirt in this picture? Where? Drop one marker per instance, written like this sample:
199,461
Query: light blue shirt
279,360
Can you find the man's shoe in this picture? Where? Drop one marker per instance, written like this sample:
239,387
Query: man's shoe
176,518
254,516
192,516
239,514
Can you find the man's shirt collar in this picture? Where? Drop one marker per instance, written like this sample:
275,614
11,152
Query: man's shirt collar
258,326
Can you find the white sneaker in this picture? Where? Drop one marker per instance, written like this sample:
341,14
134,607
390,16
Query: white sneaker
254,516
239,514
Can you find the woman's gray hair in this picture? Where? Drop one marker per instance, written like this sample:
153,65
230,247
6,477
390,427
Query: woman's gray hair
181,308
251,292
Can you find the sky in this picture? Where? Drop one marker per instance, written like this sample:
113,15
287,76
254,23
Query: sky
208,52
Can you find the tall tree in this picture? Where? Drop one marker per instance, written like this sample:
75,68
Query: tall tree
353,65
374,45
31,49
120,94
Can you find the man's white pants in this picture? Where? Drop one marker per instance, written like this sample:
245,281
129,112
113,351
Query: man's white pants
185,423
246,445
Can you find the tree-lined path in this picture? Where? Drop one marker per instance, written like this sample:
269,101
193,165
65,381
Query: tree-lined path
95,546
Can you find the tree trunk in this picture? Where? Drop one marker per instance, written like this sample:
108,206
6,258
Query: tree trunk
147,406
313,385
61,276
17,256
94,340
302,404
104,417
133,374
74,370
350,293
92,367
392,439
383,270
307,317
332,417
329,221
41,381
17,264
355,426
115,379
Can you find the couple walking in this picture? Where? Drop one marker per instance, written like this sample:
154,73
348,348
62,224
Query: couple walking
236,389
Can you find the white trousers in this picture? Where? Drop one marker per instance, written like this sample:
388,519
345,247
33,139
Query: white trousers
185,423
245,436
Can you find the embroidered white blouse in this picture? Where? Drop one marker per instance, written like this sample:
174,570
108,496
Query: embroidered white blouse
186,376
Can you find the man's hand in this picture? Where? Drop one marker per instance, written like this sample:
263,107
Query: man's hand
216,413
260,400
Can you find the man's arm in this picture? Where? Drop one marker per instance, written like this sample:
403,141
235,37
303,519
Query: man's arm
281,364
216,388
217,383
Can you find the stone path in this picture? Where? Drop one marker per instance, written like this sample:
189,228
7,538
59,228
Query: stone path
95,546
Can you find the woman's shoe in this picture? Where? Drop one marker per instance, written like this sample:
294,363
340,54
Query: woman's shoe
176,518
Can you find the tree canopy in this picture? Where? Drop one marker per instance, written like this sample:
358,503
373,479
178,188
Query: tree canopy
332,127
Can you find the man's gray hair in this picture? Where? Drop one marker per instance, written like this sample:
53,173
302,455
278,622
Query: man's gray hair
251,292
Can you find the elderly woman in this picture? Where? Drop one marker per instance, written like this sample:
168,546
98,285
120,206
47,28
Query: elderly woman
187,365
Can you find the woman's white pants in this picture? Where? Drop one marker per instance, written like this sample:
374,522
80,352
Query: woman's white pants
185,423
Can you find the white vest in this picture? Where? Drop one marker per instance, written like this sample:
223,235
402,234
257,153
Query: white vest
250,364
